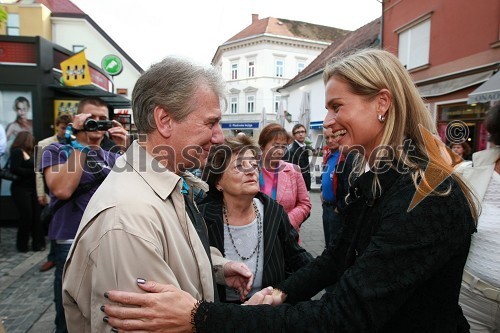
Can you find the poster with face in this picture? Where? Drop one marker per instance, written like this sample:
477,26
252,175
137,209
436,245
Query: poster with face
16,115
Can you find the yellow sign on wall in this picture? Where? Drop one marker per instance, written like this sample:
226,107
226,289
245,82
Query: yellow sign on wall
76,71
65,106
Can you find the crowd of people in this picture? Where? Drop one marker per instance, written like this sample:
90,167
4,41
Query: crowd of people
159,257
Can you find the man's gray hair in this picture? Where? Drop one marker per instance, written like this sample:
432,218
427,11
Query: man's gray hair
171,84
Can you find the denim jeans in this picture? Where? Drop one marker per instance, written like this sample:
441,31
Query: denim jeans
61,252
332,223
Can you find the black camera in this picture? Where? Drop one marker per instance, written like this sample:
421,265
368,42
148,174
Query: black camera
92,125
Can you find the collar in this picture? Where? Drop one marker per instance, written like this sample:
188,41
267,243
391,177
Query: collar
161,180
362,186
300,144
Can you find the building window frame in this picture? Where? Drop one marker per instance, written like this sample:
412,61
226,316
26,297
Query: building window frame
234,71
13,26
251,68
250,103
233,105
279,67
277,100
414,43
300,66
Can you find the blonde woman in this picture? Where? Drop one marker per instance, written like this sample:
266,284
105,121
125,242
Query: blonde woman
397,263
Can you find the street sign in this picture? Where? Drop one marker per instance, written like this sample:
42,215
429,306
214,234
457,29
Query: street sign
112,64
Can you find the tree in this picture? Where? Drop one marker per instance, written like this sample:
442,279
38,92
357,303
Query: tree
3,16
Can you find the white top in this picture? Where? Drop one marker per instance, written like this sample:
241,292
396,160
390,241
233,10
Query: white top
484,254
245,240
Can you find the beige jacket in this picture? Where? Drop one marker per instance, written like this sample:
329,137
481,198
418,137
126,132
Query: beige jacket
40,184
135,226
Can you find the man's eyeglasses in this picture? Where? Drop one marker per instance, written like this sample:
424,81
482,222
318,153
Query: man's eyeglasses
299,132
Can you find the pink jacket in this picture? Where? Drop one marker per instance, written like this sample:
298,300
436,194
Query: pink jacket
292,194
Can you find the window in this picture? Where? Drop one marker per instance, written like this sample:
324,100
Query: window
280,64
234,104
251,68
414,44
300,67
78,48
251,104
13,24
277,99
234,71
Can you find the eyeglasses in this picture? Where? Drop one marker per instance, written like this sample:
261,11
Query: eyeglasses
299,132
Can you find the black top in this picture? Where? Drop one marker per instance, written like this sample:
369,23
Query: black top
23,169
300,156
396,271
282,254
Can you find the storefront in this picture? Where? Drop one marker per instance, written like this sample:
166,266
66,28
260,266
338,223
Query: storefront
30,77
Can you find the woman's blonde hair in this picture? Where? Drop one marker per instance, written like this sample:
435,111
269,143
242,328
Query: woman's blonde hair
367,72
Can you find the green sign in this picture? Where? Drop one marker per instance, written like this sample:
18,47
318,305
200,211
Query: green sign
112,64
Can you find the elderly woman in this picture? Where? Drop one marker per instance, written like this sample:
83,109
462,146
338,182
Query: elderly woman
397,263
281,180
244,224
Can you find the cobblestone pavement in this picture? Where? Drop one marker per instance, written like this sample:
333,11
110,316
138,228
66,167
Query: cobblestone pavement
26,295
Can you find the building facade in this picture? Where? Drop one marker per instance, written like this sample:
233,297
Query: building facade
63,23
304,95
262,58
450,48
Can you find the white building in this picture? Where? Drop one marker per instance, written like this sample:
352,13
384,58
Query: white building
306,91
259,60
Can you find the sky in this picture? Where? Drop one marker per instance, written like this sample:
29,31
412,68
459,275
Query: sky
149,30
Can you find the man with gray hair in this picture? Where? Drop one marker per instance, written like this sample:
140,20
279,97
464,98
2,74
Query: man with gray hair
142,222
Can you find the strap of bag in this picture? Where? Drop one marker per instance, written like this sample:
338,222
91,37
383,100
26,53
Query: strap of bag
83,188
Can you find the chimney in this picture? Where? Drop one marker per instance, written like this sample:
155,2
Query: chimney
255,18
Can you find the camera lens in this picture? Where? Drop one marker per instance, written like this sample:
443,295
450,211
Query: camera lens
90,125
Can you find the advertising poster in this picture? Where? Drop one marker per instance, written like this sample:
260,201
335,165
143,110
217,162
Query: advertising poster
16,115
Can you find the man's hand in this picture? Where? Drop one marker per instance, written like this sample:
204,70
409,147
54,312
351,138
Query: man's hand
119,134
238,276
163,309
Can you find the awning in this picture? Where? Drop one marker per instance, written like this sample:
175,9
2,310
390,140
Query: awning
113,100
488,91
452,85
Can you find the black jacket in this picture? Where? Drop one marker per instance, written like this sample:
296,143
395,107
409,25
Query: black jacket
300,156
396,271
282,254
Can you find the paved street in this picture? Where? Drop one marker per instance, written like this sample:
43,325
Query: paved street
26,294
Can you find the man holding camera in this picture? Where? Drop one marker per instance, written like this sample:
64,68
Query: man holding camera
73,172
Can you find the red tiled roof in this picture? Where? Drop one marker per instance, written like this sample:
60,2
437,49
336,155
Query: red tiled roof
364,37
289,28
61,6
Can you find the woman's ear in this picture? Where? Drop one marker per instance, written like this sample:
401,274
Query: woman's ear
163,121
384,101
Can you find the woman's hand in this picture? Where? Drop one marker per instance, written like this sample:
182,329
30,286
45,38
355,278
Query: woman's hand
268,296
238,276
163,309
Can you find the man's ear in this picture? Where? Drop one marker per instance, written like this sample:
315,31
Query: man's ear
384,100
163,121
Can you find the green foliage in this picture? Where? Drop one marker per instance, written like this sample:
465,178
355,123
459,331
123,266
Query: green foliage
3,16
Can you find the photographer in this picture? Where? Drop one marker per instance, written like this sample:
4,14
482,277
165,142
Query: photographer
73,172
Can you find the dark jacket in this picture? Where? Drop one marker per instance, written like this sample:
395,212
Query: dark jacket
23,169
300,156
282,254
396,271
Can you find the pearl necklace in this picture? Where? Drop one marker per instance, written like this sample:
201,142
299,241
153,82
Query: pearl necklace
256,250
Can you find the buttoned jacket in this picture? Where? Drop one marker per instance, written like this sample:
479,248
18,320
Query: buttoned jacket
135,225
